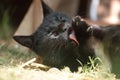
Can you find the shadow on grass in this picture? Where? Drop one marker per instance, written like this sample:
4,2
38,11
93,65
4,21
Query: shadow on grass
11,55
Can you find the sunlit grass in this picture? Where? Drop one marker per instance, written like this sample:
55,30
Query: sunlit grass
11,58
16,73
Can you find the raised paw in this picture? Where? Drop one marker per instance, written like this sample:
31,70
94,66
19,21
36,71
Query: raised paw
76,20
79,24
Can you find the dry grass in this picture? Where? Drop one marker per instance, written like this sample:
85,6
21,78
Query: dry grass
16,73
11,59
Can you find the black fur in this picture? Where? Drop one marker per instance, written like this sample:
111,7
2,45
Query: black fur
107,36
51,40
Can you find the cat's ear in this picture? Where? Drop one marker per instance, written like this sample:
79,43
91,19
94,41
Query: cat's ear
26,41
46,9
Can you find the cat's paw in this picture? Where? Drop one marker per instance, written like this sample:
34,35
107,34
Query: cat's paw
79,24
76,20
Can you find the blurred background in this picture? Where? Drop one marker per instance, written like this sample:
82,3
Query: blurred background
22,17
11,15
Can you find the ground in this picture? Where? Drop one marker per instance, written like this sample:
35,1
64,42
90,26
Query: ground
12,57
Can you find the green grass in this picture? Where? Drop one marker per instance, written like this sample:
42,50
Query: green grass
12,55
11,58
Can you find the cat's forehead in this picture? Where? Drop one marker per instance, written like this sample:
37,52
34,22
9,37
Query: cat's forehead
57,15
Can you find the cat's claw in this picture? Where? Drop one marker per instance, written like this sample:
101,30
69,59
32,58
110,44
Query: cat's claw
76,20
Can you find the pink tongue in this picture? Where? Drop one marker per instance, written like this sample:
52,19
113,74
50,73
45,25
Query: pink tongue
73,37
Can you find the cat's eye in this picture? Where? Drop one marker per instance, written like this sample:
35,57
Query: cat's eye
55,33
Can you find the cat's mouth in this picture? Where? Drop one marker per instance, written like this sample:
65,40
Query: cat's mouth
73,37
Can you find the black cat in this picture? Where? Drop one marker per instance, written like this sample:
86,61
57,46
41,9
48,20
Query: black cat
61,41
103,41
55,41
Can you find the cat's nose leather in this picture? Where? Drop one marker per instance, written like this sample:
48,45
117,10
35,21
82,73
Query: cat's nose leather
63,27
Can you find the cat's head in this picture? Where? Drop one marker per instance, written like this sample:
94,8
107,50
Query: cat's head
52,39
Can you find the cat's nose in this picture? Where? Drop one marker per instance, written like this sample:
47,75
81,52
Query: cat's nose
66,27
63,27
